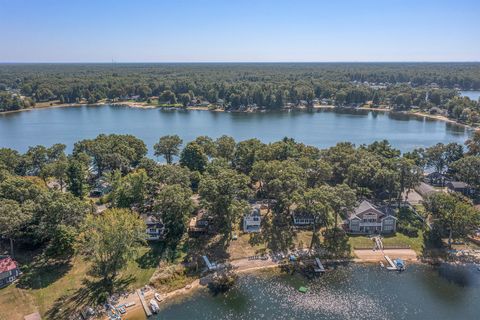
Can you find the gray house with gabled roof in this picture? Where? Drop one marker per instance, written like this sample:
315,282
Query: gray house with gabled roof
367,218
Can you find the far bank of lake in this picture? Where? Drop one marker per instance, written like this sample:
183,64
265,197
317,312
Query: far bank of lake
321,128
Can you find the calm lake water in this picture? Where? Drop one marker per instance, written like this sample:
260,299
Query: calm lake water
351,292
473,95
319,128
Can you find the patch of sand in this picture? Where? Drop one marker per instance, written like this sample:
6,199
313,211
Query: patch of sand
379,255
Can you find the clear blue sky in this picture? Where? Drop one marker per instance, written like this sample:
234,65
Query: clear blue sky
239,30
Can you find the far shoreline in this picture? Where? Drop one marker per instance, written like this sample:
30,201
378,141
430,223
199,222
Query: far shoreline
142,105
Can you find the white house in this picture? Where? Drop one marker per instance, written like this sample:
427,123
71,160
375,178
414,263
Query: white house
155,228
301,219
367,218
252,221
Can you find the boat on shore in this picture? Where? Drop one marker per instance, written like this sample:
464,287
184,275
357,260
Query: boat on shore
154,306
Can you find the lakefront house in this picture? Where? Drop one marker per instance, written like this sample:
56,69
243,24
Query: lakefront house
155,228
252,221
367,218
9,270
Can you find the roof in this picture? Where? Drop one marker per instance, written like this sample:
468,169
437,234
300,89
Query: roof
151,219
458,184
363,207
302,215
255,212
7,264
435,175
425,189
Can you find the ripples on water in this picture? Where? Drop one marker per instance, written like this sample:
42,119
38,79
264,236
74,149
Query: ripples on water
348,292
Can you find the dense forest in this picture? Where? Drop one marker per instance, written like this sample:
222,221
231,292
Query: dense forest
431,87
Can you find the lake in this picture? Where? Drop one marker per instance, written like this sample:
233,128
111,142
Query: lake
349,292
322,128
473,95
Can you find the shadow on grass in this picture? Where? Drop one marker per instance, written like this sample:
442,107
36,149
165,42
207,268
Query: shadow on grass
278,235
152,257
91,293
41,273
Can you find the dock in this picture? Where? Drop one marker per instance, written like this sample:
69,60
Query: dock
319,267
147,310
392,265
210,266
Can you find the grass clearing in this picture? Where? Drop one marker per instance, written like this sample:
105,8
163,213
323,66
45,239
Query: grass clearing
46,288
398,239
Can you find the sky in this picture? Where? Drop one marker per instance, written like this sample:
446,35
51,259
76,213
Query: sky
239,30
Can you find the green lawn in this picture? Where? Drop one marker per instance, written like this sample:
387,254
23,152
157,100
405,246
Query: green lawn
416,243
61,286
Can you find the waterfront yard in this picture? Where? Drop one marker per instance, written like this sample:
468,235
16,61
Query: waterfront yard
396,240
57,289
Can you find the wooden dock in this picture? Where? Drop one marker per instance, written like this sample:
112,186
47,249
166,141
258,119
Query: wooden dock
319,267
390,262
147,310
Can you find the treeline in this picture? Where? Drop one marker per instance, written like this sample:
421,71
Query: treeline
44,193
233,86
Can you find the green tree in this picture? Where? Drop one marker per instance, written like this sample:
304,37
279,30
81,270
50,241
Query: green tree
452,216
193,157
12,219
225,147
173,204
468,170
76,178
130,191
224,194
110,241
473,144
168,146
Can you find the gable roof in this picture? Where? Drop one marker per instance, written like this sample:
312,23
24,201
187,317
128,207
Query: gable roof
458,184
363,208
7,264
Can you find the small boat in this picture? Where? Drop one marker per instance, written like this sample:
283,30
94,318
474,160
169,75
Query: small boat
154,306
158,296
400,264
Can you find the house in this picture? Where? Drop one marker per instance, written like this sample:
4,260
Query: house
367,218
199,223
302,219
252,221
9,271
155,228
436,179
425,189
460,187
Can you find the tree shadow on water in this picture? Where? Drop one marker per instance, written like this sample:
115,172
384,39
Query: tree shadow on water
92,292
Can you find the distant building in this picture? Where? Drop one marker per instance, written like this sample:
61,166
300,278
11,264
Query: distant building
436,179
155,228
9,271
367,218
252,221
460,187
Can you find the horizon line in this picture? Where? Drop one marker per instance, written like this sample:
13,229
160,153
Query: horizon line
233,62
